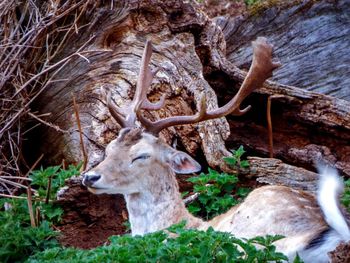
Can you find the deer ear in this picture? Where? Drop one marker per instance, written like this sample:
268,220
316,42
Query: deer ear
182,163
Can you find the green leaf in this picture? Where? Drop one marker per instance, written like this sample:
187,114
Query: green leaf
52,212
297,259
244,164
230,161
345,199
242,192
215,190
193,208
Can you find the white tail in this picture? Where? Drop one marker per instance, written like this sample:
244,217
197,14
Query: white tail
142,167
330,188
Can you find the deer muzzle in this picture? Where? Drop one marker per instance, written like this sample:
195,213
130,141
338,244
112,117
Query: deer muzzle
90,178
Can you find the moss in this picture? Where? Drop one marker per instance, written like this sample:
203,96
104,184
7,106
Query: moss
261,6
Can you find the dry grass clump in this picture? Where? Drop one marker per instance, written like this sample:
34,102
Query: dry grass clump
33,34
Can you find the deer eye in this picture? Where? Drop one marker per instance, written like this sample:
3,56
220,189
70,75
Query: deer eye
141,157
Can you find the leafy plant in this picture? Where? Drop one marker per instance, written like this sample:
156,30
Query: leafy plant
189,246
47,182
235,161
346,196
214,191
18,239
53,176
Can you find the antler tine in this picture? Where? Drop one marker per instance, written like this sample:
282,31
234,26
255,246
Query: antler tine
157,126
144,81
116,114
126,116
260,70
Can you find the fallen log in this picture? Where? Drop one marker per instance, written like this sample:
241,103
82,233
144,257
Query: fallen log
275,172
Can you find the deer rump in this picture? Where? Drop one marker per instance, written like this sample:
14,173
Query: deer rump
142,167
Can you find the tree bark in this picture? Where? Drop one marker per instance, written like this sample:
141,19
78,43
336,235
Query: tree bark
176,29
275,172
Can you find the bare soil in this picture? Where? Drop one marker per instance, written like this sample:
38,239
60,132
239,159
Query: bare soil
90,219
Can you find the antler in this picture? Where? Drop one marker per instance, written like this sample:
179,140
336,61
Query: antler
126,116
260,70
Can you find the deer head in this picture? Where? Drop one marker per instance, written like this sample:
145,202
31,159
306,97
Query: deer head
137,155
136,161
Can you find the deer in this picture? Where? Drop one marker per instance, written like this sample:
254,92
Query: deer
142,167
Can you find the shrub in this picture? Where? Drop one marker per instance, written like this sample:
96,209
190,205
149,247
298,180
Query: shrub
215,189
47,182
235,161
188,246
18,239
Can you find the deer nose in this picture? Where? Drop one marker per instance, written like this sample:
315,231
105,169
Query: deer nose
90,179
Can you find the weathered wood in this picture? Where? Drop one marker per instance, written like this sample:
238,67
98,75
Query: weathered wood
174,27
275,172
312,40
306,126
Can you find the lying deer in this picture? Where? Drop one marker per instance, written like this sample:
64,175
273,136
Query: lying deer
142,167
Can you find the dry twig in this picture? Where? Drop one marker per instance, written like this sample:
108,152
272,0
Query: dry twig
31,38
76,110
30,207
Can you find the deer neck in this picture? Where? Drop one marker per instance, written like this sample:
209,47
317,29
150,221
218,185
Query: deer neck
158,207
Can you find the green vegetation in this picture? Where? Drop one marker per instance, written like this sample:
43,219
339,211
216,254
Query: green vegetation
20,242
235,161
346,196
215,189
47,182
18,239
189,246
